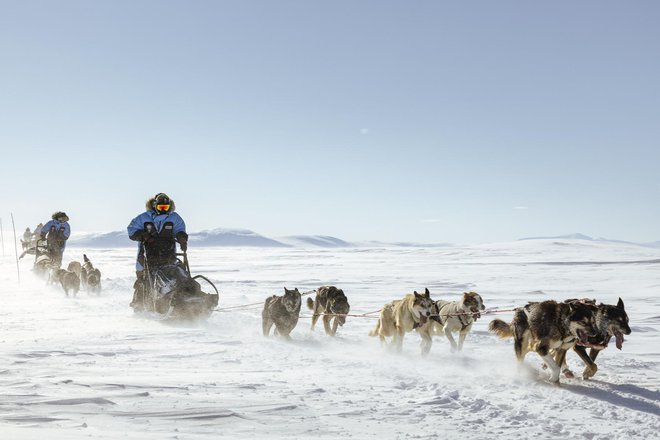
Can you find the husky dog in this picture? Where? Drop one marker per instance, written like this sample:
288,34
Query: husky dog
611,321
75,267
42,266
329,302
456,316
54,274
283,311
405,315
69,281
91,276
544,326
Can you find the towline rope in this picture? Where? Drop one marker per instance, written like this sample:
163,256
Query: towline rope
246,306
356,315
367,315
485,312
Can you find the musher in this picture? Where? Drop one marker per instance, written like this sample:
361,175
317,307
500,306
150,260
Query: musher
156,230
58,231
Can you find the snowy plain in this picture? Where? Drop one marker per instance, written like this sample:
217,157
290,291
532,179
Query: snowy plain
87,367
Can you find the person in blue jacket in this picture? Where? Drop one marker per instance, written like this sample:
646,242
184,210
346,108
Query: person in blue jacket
56,232
156,230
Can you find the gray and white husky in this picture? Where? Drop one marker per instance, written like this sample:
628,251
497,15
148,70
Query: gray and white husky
331,303
281,311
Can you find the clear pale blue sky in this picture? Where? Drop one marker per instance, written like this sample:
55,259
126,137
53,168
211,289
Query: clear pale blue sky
391,120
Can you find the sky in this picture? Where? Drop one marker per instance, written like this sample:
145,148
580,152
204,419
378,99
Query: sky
426,121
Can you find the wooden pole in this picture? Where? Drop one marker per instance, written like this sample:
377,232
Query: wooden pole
18,269
2,234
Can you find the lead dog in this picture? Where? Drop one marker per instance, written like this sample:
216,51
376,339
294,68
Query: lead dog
331,303
545,326
611,321
403,316
455,316
282,311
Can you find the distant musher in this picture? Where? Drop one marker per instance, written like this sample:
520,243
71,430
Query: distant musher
57,232
27,238
37,231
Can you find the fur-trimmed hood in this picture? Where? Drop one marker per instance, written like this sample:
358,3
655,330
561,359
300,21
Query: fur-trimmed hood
149,205
59,214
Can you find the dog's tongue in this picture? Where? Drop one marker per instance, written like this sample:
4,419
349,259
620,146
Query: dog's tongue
582,337
619,340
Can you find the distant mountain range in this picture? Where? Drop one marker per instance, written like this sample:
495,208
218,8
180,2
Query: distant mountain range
578,236
216,237
247,238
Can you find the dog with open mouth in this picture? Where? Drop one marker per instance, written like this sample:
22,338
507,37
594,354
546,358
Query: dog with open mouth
611,322
545,328
455,316
402,316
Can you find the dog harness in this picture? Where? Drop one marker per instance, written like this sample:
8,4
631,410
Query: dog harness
464,324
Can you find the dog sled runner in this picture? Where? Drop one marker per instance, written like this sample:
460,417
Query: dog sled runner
167,287
42,258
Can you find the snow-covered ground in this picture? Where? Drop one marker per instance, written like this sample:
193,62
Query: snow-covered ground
88,367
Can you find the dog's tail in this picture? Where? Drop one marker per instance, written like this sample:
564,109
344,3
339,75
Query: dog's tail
85,259
375,331
268,300
310,303
500,328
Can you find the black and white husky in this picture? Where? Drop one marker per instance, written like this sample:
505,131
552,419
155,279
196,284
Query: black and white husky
611,322
545,328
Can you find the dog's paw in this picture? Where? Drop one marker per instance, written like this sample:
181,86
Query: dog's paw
589,372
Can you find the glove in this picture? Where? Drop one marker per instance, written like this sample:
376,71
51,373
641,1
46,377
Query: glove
141,235
182,238
147,237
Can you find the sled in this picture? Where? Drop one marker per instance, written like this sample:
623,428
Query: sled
173,293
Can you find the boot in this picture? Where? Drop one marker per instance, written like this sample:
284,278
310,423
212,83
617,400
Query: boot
138,294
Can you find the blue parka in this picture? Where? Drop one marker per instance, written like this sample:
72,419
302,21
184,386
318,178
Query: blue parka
159,220
61,229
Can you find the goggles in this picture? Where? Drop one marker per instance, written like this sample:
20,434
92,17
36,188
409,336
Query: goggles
161,208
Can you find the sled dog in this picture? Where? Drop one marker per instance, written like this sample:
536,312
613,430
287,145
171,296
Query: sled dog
455,316
42,266
544,326
75,267
68,280
611,321
91,276
283,312
329,302
403,316
54,274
